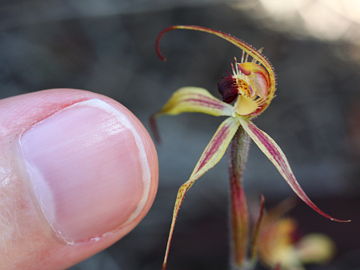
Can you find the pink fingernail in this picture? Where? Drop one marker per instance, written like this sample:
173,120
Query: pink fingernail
88,169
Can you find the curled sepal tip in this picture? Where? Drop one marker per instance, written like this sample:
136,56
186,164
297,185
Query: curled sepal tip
212,154
255,54
273,152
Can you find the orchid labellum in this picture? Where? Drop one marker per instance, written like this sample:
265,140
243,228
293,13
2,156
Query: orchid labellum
246,93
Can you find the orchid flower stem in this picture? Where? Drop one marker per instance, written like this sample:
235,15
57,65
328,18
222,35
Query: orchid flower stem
239,212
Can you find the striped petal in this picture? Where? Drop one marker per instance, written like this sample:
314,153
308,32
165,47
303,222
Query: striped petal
278,158
195,99
212,154
191,99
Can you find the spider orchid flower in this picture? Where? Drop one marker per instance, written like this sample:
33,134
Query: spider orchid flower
279,244
246,93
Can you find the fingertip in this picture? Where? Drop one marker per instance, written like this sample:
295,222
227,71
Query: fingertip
90,166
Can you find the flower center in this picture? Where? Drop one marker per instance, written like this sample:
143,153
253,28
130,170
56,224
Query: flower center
248,86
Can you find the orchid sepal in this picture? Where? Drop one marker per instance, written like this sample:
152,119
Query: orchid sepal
273,152
212,154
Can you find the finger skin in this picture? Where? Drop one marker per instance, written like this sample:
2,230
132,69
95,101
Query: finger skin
26,239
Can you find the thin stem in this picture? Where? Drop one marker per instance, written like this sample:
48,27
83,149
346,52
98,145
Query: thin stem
239,210
256,232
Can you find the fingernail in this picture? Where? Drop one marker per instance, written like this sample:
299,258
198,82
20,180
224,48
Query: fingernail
88,169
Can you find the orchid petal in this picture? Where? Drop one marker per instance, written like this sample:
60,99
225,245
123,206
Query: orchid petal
212,154
191,99
273,152
195,99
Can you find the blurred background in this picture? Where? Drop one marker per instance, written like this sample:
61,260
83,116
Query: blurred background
107,47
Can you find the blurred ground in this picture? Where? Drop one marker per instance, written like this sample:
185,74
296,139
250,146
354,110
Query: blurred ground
107,47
